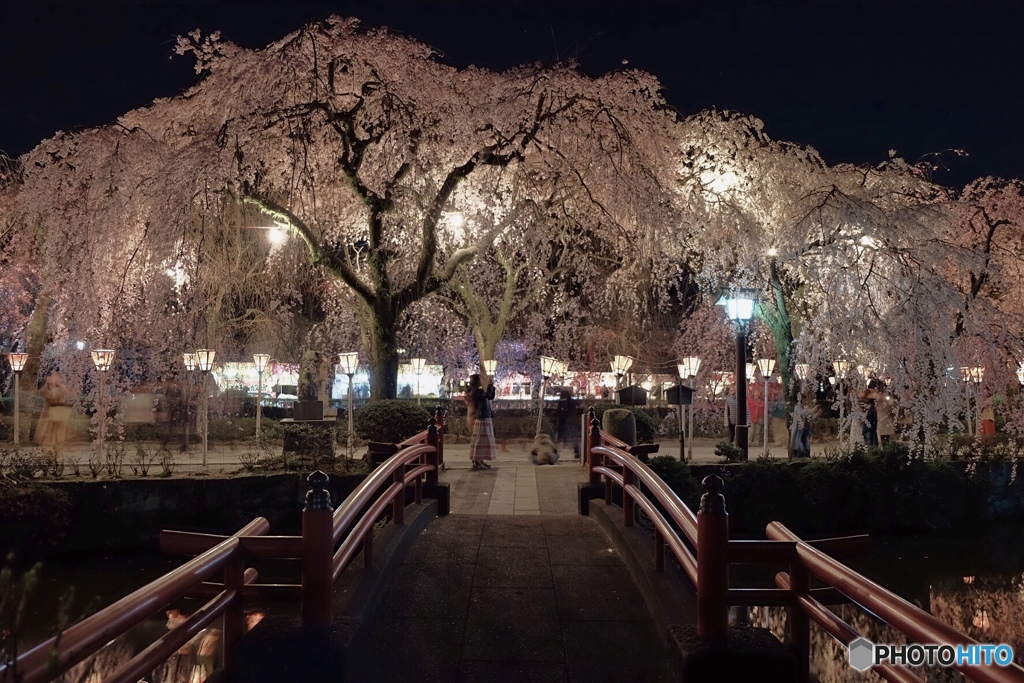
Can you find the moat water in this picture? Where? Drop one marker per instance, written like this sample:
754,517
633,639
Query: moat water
975,583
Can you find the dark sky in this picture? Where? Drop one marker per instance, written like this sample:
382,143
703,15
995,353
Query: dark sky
853,78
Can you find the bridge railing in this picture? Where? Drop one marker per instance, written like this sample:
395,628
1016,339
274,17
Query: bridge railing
701,545
83,639
329,541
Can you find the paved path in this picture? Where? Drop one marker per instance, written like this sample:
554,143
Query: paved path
227,457
498,597
513,586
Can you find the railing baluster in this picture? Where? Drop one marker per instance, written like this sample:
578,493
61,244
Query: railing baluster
398,504
594,458
317,553
712,561
799,624
628,511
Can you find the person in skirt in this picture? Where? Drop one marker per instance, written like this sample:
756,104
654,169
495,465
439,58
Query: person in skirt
481,443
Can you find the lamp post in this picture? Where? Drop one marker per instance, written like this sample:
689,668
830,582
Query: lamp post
965,376
417,367
204,360
102,358
349,363
977,377
261,360
739,308
548,366
620,366
688,371
17,365
191,363
841,367
767,367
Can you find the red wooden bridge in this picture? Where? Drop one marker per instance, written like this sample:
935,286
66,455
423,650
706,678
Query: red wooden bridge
494,597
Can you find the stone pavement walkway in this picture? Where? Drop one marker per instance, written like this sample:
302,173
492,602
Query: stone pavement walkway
498,597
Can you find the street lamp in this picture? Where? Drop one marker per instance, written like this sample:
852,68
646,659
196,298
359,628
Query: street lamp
767,367
739,307
841,367
977,377
688,371
102,358
966,373
620,366
191,364
204,360
261,360
348,363
17,365
548,367
417,367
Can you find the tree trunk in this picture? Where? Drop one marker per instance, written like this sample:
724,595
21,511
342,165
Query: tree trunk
383,353
35,339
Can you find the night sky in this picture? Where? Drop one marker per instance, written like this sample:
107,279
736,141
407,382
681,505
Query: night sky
853,79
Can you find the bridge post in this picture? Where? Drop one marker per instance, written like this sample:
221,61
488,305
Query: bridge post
712,561
799,623
593,442
317,553
435,439
439,421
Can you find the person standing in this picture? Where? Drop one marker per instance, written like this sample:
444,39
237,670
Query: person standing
800,432
870,428
481,442
730,413
565,414
885,407
755,410
988,417
52,430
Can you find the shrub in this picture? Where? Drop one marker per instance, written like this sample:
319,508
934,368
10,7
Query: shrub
679,478
391,421
729,451
33,518
646,427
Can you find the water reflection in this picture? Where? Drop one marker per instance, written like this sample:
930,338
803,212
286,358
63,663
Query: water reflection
69,591
974,584
192,663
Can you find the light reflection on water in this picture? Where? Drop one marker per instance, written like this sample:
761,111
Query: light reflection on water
975,584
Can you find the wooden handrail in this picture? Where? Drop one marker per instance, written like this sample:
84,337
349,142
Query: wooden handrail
841,631
417,458
673,504
85,638
783,546
349,511
918,625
